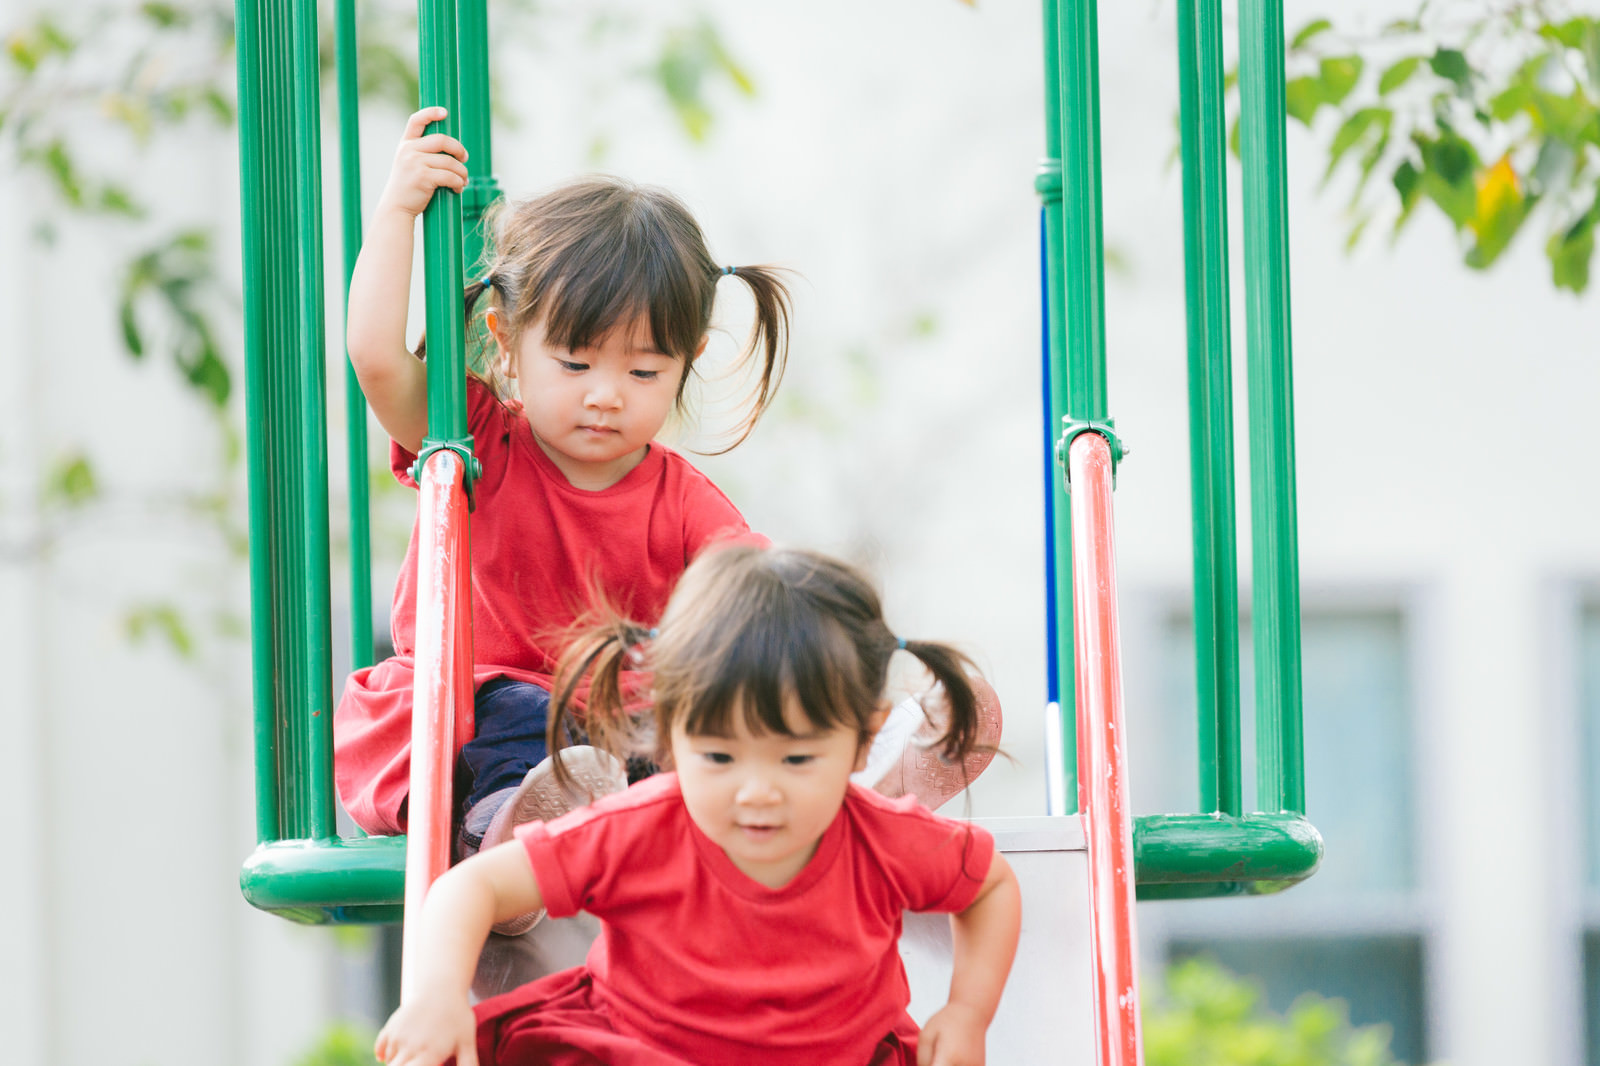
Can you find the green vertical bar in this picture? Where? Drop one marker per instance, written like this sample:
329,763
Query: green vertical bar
483,189
1082,248
1276,605
1048,185
284,475
1205,248
355,405
441,235
314,707
253,253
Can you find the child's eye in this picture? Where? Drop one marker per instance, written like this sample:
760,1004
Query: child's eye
646,375
717,758
798,760
569,365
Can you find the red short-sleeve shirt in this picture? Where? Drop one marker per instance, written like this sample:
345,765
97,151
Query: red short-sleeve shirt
708,965
540,549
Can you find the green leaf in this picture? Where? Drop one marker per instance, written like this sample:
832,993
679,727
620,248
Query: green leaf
1309,31
1452,65
159,620
1569,259
72,482
165,16
1302,97
132,338
1569,34
1398,74
1339,76
1352,131
1571,250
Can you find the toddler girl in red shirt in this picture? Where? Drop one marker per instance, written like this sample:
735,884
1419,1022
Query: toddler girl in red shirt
597,305
750,900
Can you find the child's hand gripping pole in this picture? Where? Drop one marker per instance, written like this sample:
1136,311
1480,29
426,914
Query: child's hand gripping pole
435,1019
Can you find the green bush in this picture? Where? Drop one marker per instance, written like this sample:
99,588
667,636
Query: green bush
341,1045
1204,1016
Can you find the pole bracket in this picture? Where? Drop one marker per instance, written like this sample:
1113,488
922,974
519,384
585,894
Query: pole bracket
471,468
1071,428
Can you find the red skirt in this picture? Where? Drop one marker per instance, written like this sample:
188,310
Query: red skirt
558,1021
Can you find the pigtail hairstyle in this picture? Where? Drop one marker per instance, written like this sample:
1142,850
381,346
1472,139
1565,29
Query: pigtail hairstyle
769,335
601,654
950,669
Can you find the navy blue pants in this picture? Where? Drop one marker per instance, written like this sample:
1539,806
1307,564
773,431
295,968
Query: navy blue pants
510,719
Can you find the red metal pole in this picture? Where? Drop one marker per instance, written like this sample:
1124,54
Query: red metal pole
443,692
1102,758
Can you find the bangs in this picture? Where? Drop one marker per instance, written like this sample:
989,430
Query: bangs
628,262
765,670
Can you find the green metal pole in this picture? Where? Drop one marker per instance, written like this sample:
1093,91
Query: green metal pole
252,108
284,474
1280,764
315,706
1083,243
355,404
1048,185
1082,255
1205,247
442,239
483,189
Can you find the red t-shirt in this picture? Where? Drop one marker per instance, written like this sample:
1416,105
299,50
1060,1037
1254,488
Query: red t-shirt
540,546
698,960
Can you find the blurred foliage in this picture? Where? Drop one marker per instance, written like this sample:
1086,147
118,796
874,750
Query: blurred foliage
1488,114
92,95
1204,1016
341,1045
83,90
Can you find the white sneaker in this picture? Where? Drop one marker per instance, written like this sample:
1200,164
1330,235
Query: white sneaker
541,797
904,759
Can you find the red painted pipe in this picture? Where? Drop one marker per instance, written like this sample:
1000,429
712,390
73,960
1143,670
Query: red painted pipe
442,698
1102,756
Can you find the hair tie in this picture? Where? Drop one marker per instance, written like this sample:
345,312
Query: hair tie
486,281
653,634
900,643
729,270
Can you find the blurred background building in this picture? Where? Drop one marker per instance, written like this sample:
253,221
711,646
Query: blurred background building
1450,526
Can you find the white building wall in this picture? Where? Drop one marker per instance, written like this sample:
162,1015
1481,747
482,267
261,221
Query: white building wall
888,158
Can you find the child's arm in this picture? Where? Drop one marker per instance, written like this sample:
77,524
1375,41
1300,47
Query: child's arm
985,940
395,381
435,1019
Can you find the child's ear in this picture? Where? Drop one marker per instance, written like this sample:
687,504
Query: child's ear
701,350
874,723
497,329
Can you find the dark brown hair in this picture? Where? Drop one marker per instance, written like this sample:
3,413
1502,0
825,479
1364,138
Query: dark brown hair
748,630
600,252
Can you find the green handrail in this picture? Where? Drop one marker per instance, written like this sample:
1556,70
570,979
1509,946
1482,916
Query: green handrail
442,243
1280,758
483,189
355,404
1221,850
1047,183
1203,132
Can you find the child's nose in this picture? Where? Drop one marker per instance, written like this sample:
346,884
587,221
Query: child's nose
603,392
757,790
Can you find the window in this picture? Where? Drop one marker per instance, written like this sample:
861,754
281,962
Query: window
1589,718
1355,929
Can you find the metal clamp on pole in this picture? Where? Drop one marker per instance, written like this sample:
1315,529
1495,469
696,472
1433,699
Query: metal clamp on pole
1070,430
471,469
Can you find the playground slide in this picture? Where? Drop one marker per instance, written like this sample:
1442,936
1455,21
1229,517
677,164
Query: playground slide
1072,999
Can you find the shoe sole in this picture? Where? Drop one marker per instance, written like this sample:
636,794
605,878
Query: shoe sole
918,769
541,798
